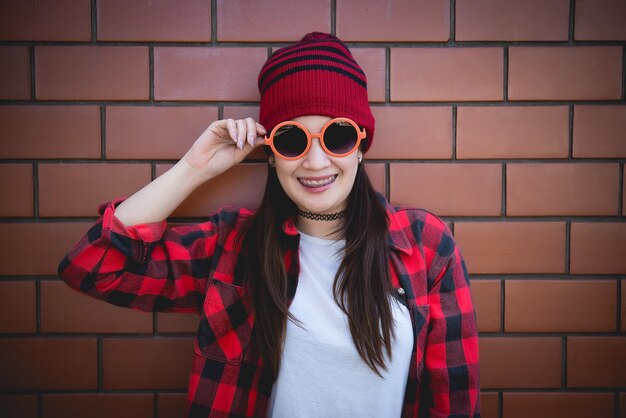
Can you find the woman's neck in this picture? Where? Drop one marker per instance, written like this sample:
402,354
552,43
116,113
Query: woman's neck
320,229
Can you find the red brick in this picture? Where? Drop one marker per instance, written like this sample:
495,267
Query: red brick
497,20
36,248
546,189
565,73
207,73
599,132
598,248
526,362
63,20
18,307
161,363
372,61
91,73
512,247
50,131
556,305
448,189
376,174
601,20
16,185
14,72
242,186
22,406
147,20
177,322
623,320
171,405
400,20
512,132
241,112
430,137
138,132
487,303
596,362
489,407
263,21
554,404
78,189
98,405
452,74
65,310
47,363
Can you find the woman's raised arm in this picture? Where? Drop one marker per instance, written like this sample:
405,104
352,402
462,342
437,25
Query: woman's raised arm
129,258
223,144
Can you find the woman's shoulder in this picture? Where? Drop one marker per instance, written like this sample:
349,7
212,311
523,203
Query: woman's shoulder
404,215
230,216
427,229
419,216
233,212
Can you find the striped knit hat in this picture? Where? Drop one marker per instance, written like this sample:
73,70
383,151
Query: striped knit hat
316,76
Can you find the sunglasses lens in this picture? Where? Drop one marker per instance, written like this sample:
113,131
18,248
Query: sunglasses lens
290,141
340,137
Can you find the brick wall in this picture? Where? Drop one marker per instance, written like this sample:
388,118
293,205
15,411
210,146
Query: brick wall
506,118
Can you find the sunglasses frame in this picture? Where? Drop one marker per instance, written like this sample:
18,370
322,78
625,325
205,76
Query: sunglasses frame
361,134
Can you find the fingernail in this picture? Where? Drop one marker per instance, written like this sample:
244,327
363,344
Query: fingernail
240,144
251,140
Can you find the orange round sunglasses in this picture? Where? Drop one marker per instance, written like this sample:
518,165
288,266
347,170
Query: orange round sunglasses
292,140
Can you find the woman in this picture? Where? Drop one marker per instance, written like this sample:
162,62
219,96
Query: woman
324,302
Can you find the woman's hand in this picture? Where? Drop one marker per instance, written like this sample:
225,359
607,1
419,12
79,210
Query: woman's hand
223,144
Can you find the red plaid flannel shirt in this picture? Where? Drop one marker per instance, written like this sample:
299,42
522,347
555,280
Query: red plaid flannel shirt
196,268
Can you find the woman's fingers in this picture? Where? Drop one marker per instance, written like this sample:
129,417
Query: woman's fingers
247,131
242,131
251,131
232,129
260,129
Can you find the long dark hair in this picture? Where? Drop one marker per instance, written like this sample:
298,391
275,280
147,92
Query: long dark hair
361,287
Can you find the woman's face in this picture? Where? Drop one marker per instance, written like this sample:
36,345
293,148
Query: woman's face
318,182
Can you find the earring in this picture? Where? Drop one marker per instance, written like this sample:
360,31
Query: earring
360,159
271,161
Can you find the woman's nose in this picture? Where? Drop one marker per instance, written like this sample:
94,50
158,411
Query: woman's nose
316,158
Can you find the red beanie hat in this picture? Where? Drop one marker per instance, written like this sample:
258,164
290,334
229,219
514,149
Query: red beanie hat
316,76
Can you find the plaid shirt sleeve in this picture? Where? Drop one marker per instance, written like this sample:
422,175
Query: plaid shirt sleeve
146,267
451,354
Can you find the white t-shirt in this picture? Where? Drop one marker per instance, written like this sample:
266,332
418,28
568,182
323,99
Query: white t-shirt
321,373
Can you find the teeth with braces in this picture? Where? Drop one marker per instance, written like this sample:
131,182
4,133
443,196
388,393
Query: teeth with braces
318,183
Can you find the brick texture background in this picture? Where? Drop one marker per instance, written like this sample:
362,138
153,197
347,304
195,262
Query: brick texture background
506,118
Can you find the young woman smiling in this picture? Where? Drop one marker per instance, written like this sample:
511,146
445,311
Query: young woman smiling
326,301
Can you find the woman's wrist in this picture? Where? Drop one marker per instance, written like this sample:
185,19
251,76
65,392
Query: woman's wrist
188,175
157,200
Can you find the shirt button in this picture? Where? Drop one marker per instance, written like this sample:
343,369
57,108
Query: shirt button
400,291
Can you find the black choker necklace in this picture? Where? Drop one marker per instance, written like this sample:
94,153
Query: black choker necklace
322,216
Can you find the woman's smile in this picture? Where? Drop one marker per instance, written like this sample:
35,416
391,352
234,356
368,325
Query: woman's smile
317,184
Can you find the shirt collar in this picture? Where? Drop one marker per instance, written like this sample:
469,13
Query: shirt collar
289,226
397,239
